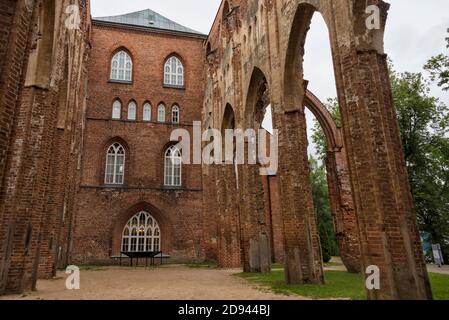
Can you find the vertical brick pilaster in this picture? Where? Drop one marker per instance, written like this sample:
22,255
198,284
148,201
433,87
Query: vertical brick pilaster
210,207
386,216
256,252
228,222
303,258
342,206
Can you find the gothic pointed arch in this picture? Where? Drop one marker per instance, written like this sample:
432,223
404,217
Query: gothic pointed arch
148,210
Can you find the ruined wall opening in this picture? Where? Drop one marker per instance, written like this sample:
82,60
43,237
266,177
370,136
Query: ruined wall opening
229,239
257,234
319,78
329,175
303,251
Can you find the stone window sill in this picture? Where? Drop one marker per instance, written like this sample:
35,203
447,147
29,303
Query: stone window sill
169,86
120,82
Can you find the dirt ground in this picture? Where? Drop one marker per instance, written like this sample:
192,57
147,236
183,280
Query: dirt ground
164,283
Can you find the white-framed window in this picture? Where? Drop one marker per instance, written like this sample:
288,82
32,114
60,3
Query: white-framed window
115,164
117,110
147,112
121,66
175,114
174,72
141,234
161,113
173,167
132,111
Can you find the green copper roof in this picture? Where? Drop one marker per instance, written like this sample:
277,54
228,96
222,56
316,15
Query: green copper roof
147,18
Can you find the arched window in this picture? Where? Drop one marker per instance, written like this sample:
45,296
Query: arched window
116,110
147,112
121,66
174,72
175,114
161,113
115,164
173,165
141,234
132,111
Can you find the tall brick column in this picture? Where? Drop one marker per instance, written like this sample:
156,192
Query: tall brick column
389,236
303,258
343,213
210,212
387,219
256,252
228,226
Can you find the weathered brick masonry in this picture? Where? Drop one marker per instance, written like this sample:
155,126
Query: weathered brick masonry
42,63
370,195
102,210
56,127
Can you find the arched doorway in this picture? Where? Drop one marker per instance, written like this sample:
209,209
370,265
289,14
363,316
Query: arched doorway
141,234
145,226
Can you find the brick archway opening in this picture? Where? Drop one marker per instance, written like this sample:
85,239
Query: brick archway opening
255,226
229,233
339,186
303,255
124,218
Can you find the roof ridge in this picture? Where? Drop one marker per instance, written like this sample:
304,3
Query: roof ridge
147,18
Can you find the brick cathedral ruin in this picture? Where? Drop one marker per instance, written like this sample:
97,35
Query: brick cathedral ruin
85,153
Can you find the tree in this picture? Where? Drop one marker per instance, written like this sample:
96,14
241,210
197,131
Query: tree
423,122
438,67
320,194
423,125
318,177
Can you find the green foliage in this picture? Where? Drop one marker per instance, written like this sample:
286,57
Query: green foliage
438,67
338,284
318,177
320,194
423,125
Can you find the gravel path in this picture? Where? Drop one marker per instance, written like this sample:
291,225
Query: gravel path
165,283
433,268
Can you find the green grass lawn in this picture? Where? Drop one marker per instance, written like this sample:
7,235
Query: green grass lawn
440,286
339,284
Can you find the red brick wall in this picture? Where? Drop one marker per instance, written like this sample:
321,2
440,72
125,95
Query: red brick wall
6,16
15,30
12,53
30,109
102,212
277,228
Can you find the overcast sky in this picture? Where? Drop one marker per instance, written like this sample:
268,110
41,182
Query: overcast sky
415,31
